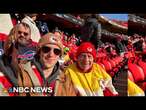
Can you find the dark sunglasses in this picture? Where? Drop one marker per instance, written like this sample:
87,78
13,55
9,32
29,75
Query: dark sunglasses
46,49
25,33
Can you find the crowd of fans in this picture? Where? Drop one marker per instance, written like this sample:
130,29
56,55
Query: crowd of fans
67,63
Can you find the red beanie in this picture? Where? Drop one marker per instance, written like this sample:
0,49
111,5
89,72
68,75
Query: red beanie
86,47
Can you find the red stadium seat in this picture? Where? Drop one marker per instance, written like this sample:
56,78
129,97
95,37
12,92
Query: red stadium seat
143,66
136,71
112,62
98,61
107,64
117,60
130,76
142,85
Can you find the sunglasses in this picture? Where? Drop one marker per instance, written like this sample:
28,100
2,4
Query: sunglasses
25,33
46,49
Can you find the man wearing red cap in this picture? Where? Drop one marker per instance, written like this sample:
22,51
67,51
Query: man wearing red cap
89,79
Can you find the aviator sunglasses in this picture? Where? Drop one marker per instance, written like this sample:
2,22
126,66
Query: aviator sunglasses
46,49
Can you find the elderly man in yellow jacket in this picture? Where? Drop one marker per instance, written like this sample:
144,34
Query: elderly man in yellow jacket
88,78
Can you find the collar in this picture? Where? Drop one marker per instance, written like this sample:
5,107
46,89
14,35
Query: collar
54,74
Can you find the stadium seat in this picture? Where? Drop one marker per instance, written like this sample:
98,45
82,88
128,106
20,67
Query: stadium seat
112,62
130,76
107,64
142,64
136,71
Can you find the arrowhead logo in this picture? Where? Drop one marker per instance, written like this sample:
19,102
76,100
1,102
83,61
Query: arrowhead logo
89,49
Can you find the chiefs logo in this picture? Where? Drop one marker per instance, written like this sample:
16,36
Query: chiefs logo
89,49
53,39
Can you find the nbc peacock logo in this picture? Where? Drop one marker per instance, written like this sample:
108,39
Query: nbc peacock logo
5,90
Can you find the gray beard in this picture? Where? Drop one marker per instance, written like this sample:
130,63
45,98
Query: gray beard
23,43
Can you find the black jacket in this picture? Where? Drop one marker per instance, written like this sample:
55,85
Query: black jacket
91,30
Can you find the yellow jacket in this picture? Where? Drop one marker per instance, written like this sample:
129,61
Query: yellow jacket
92,83
134,90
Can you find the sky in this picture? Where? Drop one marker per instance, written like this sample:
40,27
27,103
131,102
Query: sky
123,17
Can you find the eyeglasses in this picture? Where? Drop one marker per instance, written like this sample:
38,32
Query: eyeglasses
46,49
25,33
